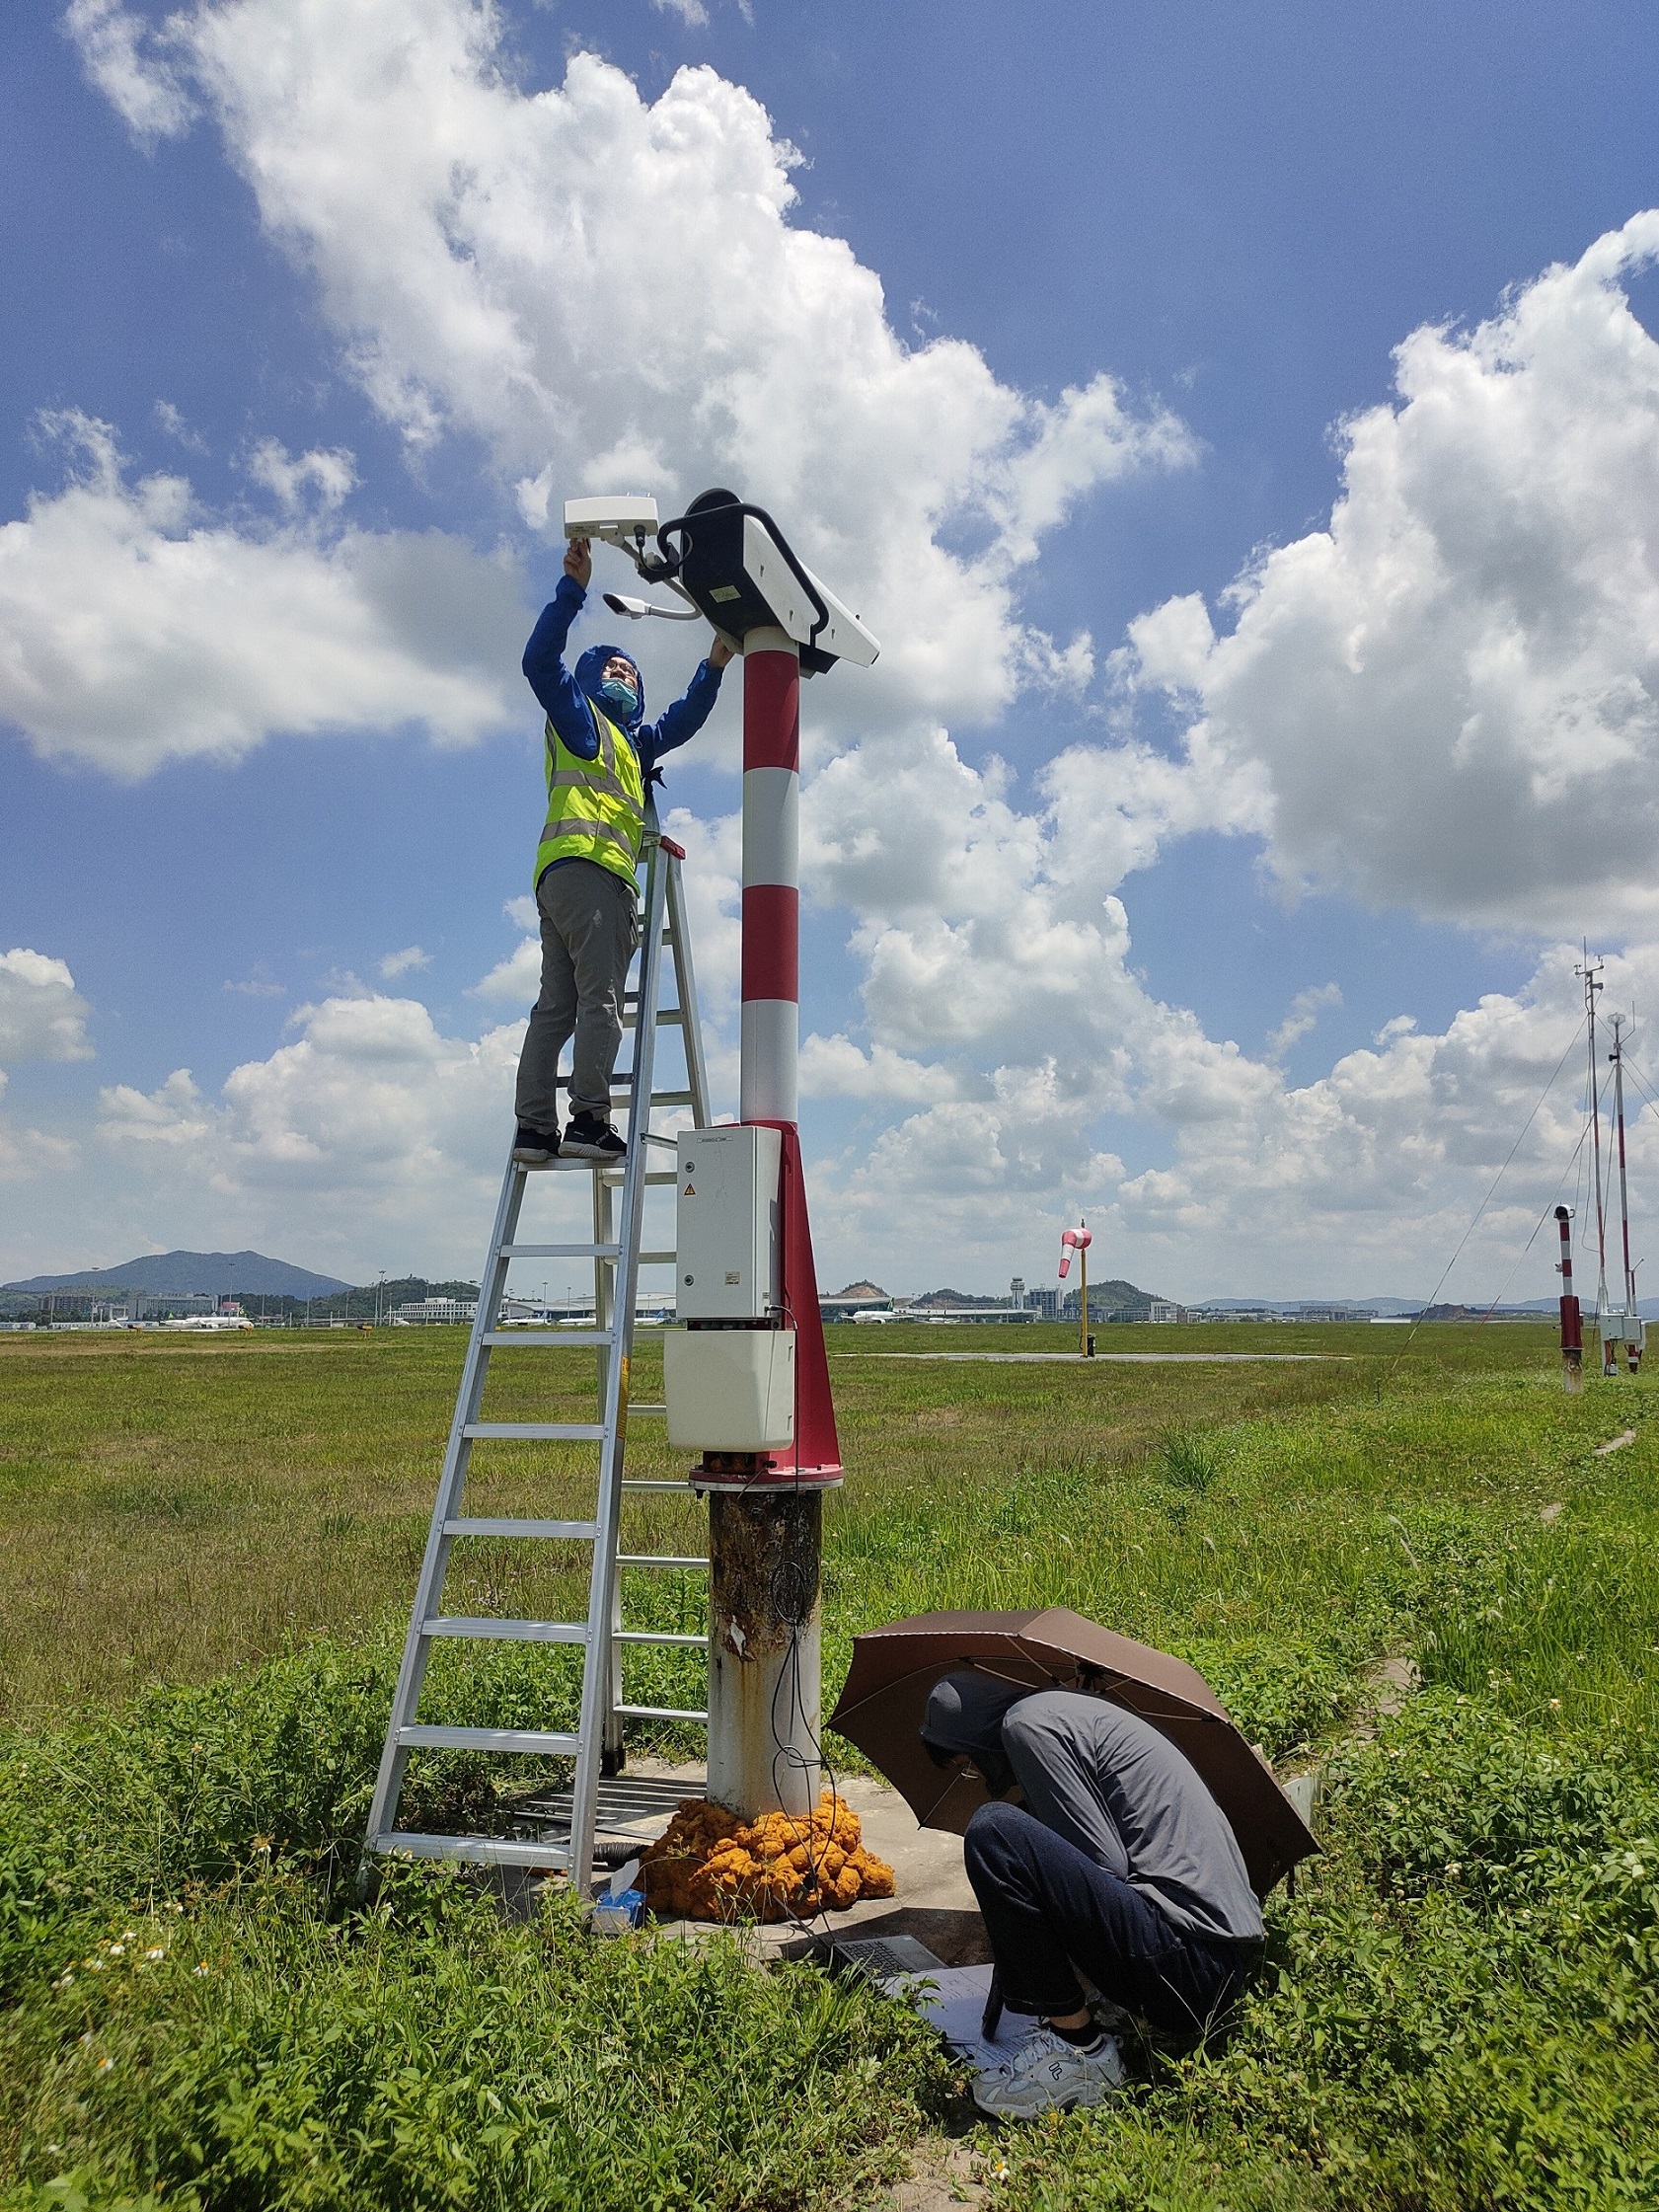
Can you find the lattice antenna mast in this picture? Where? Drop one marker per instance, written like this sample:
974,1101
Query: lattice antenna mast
1617,1056
1591,973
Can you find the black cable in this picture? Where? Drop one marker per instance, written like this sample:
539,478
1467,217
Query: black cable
1548,1208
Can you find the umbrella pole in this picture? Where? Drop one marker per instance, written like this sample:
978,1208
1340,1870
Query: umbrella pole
763,1649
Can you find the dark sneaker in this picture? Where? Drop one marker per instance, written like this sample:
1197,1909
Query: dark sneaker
589,1138
534,1147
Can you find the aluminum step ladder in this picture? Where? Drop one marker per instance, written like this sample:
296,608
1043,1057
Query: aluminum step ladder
616,1257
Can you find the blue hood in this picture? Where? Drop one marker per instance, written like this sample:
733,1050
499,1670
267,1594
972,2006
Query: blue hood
590,674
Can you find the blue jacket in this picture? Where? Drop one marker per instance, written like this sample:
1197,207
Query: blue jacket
564,697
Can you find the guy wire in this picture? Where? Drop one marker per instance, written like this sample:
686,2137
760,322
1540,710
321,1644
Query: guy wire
1486,1202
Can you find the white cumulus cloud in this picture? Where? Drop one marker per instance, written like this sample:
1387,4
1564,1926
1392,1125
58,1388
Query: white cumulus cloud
610,292
135,628
42,1017
1451,694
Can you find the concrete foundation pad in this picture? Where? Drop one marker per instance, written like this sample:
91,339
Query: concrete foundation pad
933,1901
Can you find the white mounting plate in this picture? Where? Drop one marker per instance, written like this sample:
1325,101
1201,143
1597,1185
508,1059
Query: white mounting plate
844,635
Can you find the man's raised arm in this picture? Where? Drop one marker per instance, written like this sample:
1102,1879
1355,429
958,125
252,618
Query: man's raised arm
557,691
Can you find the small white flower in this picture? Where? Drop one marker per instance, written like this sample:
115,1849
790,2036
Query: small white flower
105,2066
156,1950
201,1969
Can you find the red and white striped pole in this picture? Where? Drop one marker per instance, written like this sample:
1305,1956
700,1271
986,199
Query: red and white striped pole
1572,1327
769,1088
766,1528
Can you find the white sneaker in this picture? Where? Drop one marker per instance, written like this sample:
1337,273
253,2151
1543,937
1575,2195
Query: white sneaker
1046,2074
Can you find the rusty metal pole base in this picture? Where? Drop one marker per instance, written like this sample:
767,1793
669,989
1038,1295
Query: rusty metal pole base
764,1660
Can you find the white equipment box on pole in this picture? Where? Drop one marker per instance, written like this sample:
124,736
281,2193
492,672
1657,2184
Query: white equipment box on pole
729,1390
726,1224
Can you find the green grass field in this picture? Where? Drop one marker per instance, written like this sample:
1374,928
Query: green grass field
211,1546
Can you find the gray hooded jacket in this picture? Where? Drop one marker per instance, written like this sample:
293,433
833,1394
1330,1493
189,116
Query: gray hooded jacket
1113,1785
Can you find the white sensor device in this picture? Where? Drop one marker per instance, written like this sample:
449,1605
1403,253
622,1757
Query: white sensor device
619,518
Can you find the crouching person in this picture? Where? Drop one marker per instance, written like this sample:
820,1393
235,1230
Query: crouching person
1119,1865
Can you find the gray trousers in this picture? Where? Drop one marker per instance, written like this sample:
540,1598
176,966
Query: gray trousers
591,926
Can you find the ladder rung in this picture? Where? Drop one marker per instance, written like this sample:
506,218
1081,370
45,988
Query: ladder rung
587,1337
657,1636
491,1629
668,1144
657,1411
655,1559
668,1017
554,1744
667,1175
551,1432
560,1252
683,1487
575,1532
659,1259
658,1097
659,1712
483,1850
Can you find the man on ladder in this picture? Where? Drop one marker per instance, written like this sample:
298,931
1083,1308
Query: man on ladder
601,757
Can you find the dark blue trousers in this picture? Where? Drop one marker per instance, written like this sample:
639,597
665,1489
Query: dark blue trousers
1048,1907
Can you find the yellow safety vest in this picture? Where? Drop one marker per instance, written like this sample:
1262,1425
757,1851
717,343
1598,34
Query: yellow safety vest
596,808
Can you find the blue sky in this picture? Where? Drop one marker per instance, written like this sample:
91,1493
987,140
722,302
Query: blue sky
1212,229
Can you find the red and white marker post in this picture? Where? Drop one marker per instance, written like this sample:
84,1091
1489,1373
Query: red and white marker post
766,1519
1572,1325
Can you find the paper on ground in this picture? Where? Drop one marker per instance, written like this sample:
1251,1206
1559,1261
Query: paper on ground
953,2000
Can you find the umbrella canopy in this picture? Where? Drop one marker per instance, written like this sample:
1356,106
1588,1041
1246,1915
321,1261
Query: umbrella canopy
894,1669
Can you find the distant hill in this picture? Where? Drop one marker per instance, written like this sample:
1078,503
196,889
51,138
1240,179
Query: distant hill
180,1274
1387,1306
1113,1296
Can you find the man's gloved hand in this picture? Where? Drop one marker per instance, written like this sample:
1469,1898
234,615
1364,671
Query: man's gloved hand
720,652
579,561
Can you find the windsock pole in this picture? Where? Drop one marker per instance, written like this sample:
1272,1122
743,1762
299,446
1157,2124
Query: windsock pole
1572,1328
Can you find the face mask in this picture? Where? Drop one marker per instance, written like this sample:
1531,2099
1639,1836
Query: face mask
617,690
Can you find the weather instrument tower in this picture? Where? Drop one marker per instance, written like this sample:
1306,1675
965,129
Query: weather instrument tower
747,1378
1625,1328
1591,973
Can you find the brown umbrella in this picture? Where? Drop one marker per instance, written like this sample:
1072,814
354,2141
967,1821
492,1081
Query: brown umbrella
893,1669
